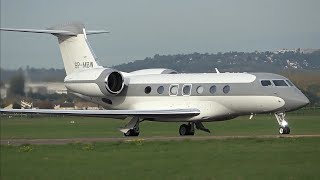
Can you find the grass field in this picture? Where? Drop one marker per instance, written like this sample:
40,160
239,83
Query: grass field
275,158
301,122
216,159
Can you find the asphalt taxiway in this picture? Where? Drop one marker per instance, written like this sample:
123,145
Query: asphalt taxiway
132,139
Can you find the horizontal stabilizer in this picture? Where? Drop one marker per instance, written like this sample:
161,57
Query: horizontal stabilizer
54,32
45,31
96,32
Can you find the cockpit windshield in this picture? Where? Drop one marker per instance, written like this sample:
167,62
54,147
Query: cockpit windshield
290,83
276,83
266,83
279,83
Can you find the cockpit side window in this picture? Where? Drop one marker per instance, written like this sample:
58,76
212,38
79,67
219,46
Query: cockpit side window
289,82
279,83
266,83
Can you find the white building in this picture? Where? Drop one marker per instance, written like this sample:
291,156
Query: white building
41,87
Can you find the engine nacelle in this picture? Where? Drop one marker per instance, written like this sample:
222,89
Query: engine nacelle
114,82
98,82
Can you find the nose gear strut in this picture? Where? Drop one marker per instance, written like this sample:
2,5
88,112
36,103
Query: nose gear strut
284,126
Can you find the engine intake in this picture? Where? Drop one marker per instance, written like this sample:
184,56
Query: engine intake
114,82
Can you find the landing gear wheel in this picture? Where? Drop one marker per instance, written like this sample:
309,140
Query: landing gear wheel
133,132
284,130
186,130
288,130
281,130
183,130
191,133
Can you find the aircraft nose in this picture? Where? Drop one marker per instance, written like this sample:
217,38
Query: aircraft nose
297,102
302,101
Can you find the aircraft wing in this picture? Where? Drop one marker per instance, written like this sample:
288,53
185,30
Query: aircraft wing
165,113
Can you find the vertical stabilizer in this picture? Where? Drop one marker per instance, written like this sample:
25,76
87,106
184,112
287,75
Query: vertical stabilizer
75,49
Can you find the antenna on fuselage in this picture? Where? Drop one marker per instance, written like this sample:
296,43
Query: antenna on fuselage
217,71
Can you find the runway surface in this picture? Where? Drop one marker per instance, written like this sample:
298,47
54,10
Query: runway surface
132,139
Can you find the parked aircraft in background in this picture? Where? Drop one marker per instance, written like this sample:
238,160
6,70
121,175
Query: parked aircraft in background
163,94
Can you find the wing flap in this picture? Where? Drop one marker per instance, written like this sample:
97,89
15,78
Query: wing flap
111,113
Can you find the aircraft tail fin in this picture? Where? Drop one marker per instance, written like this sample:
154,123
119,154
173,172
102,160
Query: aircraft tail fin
74,46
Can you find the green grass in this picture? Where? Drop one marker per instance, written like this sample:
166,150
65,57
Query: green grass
279,158
282,158
301,122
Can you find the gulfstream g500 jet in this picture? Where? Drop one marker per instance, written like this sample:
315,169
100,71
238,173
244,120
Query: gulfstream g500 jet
164,94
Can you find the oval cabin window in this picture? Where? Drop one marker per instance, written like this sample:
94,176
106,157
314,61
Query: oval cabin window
186,90
160,89
147,90
213,89
199,89
226,89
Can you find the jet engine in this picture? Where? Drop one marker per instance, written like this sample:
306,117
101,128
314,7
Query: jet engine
99,82
114,82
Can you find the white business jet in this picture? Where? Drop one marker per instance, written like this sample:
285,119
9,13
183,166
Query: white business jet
163,94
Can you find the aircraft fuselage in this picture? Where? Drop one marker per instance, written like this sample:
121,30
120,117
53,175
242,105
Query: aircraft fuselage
218,96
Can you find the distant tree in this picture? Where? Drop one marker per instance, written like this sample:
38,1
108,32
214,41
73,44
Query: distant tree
314,88
17,85
2,104
313,98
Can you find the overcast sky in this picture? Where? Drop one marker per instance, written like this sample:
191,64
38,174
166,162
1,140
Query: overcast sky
143,28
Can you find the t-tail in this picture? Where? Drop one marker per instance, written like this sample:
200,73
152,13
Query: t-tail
75,49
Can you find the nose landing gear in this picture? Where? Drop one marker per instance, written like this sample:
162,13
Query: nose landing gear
284,127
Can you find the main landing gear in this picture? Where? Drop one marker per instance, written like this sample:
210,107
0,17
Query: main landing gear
132,128
284,127
188,129
133,132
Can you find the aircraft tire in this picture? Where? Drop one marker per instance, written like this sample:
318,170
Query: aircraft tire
287,130
284,130
190,132
131,132
281,130
183,130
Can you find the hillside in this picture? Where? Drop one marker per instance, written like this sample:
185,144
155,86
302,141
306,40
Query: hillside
230,61
301,67
196,62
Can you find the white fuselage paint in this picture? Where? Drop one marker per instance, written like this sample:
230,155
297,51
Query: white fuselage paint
90,89
212,107
193,78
